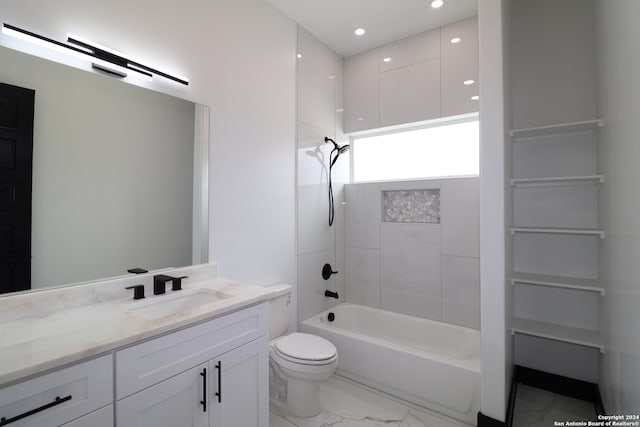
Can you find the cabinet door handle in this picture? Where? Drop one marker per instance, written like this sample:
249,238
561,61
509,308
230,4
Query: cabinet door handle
219,392
6,421
203,402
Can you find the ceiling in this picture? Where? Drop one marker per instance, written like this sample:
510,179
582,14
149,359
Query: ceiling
333,21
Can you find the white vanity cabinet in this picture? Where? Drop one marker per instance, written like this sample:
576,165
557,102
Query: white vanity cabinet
61,397
100,418
212,374
177,401
239,386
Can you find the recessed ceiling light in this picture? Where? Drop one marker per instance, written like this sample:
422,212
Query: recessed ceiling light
360,119
436,4
299,56
387,59
359,31
469,82
475,97
455,40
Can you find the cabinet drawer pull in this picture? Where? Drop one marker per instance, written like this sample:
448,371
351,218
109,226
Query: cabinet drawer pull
219,392
4,421
203,402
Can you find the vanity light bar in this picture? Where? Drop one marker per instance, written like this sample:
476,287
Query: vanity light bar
117,58
100,53
76,51
21,34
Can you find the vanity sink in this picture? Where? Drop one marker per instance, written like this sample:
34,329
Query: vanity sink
161,306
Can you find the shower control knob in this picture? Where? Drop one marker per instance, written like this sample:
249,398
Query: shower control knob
327,271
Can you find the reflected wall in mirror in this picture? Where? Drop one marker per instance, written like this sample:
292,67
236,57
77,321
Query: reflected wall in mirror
113,174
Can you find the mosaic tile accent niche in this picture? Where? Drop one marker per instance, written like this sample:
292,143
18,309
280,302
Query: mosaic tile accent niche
411,206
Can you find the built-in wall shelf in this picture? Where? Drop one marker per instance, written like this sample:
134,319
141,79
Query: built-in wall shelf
566,231
557,332
557,282
557,129
558,180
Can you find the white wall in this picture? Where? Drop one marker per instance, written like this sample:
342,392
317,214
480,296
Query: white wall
494,123
319,114
429,270
618,86
240,58
421,80
553,73
251,47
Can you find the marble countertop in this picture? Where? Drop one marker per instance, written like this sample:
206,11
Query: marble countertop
49,329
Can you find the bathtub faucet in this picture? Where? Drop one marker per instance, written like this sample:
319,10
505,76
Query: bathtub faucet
331,294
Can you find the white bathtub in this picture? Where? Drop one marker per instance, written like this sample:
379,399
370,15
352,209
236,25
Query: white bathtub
429,363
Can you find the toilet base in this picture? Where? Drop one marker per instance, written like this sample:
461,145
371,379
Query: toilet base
296,384
303,398
277,392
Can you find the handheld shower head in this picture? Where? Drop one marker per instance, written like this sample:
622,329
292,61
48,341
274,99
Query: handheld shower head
332,161
336,147
344,148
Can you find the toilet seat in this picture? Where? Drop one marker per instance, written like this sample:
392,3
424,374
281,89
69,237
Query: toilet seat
305,349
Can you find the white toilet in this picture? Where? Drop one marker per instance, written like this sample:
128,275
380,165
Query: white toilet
297,362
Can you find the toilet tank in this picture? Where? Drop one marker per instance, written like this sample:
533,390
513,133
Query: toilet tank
279,310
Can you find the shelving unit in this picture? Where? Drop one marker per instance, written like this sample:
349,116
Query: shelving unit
555,187
557,332
538,185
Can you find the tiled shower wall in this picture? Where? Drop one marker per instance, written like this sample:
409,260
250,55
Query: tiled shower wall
413,247
320,113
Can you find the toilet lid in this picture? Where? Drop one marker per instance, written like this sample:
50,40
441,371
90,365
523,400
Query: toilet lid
305,347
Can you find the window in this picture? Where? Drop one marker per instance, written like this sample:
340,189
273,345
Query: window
441,150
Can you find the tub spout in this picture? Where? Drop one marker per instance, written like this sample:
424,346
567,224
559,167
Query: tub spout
331,294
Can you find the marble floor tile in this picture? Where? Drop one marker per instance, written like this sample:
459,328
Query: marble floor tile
417,418
277,421
346,405
349,405
539,408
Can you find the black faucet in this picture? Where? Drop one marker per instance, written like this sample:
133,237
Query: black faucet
138,291
331,294
160,283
